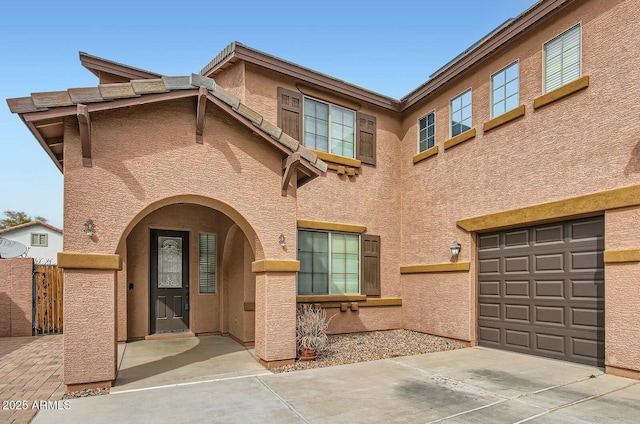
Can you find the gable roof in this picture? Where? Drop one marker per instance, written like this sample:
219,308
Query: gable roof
108,69
30,224
44,113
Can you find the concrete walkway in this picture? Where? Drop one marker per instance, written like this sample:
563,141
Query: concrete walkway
468,385
30,371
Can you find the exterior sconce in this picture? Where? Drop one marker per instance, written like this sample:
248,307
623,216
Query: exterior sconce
89,228
455,248
282,240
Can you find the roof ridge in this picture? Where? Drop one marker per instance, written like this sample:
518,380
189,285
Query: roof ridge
29,224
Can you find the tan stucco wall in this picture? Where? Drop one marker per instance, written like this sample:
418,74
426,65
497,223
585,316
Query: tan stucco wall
15,297
232,79
371,199
578,145
622,291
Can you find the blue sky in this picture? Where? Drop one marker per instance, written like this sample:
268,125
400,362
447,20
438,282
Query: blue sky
389,47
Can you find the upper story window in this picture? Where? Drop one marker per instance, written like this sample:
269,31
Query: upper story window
504,90
562,59
329,262
39,239
329,128
460,107
427,132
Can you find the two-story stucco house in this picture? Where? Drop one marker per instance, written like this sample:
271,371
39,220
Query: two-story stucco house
43,241
229,196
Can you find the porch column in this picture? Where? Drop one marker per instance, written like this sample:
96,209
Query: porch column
90,332
275,311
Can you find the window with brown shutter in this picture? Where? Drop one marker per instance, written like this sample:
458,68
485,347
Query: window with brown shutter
290,112
370,255
366,138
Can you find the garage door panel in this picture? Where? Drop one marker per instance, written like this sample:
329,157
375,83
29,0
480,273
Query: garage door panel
549,289
549,262
516,289
489,288
544,294
516,264
549,315
518,313
545,235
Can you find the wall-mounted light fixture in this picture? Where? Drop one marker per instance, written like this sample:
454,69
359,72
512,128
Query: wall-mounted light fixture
89,228
455,248
282,240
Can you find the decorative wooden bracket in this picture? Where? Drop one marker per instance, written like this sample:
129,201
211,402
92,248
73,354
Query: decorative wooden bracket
289,167
202,108
85,133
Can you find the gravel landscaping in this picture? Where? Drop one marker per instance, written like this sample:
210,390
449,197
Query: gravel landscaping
370,346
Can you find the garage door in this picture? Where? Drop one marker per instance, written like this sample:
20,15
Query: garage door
541,290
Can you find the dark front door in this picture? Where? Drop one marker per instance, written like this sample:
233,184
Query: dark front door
169,281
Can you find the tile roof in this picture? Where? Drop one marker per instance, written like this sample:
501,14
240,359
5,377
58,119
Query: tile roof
104,93
30,224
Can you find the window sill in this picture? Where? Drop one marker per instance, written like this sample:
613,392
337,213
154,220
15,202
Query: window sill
562,92
323,298
337,159
353,305
460,138
504,118
432,151
430,268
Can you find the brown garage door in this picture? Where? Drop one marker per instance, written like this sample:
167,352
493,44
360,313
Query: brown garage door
541,290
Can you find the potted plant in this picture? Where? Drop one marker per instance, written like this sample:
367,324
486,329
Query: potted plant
311,328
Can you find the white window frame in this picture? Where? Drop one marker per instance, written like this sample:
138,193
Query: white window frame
215,258
40,243
544,57
504,69
470,90
426,116
329,261
330,105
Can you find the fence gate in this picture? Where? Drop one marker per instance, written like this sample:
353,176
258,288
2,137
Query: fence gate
47,299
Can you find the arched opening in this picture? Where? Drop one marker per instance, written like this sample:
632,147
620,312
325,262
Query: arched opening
187,269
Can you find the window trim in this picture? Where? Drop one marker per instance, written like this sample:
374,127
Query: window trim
492,104
434,131
215,256
329,253
544,58
470,89
329,122
46,240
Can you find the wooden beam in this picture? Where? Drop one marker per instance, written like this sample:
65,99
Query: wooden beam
200,113
289,167
85,134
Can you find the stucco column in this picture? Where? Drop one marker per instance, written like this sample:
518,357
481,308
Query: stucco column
275,311
90,310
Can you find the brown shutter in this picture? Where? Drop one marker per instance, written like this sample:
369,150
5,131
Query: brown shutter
370,265
366,138
290,112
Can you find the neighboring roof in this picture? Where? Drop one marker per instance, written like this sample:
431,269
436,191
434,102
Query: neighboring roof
237,51
99,66
30,224
44,113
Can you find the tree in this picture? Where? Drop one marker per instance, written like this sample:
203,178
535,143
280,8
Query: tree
14,218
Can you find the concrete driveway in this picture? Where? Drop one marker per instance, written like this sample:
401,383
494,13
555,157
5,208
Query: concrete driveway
461,386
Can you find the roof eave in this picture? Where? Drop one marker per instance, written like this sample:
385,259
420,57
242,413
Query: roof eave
97,64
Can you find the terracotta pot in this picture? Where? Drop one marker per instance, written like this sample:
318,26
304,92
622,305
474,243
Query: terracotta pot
308,354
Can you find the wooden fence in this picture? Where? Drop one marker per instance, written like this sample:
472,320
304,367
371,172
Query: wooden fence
47,299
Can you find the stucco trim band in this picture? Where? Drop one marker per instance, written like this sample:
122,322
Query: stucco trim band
622,372
336,159
429,268
460,138
73,260
621,256
546,212
504,118
561,92
426,154
331,298
275,265
331,226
